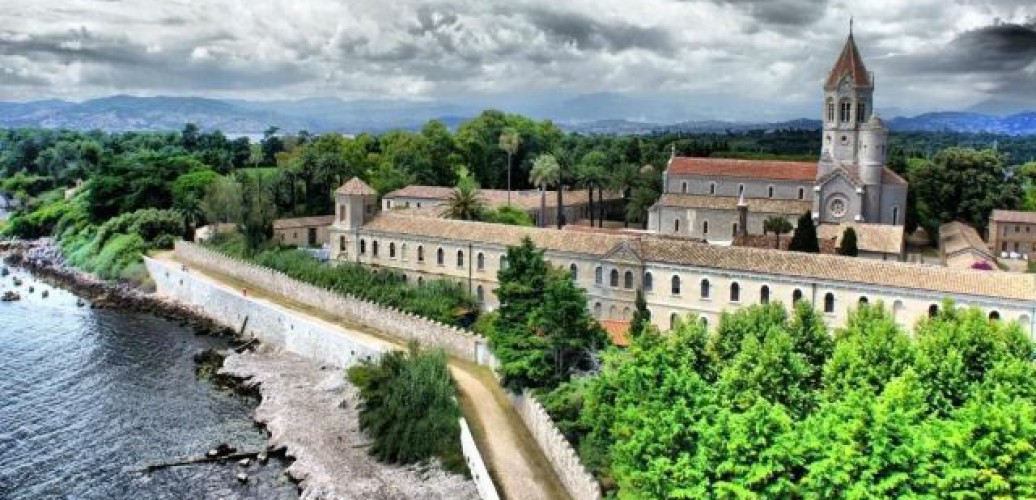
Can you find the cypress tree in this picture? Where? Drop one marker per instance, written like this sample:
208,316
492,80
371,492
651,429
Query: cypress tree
805,237
641,315
849,247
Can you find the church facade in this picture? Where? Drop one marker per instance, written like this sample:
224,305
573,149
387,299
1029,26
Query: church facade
850,183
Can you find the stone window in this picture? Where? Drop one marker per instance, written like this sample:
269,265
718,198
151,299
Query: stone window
933,310
895,215
627,280
712,188
796,296
341,243
769,191
861,112
802,193
392,250
573,271
864,301
648,282
676,285
440,257
994,316
374,248
598,275
460,258
733,231
830,110
829,303
837,208
847,111
420,253
341,212
480,294
764,295
735,292
597,310
503,262
363,247
705,228
420,281
674,321
625,313
481,261
683,187
614,281
676,225
706,288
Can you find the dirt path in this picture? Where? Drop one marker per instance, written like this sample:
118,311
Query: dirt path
519,469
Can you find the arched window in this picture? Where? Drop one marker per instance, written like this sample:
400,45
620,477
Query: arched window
627,280
676,225
460,258
625,313
864,301
829,303
599,275
341,243
712,188
735,292
933,310
614,281
420,253
676,285
573,271
480,261
802,193
706,289
740,189
683,187
830,110
674,321
769,192
847,112
480,294
597,310
994,316
796,296
420,281
374,248
392,250
440,257
861,112
648,282
764,295
895,216
402,251
705,227
363,247
503,262
613,312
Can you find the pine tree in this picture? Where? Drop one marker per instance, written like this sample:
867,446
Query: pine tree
641,315
848,247
805,237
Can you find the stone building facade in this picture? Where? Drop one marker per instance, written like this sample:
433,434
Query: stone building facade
850,183
679,276
1012,231
303,231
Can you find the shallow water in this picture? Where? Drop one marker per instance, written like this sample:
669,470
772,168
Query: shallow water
87,395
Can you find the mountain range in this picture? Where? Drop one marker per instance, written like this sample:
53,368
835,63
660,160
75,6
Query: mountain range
590,113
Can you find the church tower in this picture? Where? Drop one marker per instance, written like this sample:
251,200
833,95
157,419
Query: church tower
848,105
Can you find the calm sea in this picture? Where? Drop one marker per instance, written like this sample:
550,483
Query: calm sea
88,395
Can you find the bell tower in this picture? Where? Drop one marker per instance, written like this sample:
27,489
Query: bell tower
848,105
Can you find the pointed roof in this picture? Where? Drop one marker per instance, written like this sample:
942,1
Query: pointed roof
849,63
356,186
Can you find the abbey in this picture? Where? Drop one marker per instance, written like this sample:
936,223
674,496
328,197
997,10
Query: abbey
849,185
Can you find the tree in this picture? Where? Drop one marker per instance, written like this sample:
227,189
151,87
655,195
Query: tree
510,141
570,331
589,174
257,211
222,201
848,246
962,184
777,225
465,202
641,315
805,237
545,172
270,145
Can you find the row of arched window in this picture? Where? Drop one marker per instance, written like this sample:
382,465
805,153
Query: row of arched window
770,190
440,254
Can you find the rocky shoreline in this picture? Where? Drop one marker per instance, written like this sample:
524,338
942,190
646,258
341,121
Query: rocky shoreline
45,261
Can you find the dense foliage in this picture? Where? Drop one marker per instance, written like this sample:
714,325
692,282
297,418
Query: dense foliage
542,332
410,408
804,238
440,300
771,405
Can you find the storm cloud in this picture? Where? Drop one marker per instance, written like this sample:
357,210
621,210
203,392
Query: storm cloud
743,59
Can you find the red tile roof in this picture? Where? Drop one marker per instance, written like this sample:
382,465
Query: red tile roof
849,63
1016,216
355,186
760,169
618,331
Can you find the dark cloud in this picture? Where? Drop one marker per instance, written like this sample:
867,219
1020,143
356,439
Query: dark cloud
1002,48
780,13
589,34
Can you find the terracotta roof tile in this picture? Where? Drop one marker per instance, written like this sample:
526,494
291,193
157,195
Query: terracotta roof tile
956,237
759,205
322,220
1017,216
356,186
618,331
525,199
883,238
849,63
761,169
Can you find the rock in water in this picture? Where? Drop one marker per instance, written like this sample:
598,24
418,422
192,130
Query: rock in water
262,457
244,462
242,477
213,453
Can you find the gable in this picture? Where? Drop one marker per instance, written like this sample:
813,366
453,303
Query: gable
623,252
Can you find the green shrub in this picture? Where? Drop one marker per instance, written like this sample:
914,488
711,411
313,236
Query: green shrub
508,215
410,408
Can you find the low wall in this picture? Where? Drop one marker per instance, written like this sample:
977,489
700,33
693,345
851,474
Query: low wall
479,472
315,340
563,458
459,343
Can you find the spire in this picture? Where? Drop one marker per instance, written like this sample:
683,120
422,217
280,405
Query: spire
849,64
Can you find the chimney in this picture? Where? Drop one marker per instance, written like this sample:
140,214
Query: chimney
742,216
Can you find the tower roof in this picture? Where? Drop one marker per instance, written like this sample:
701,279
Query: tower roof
849,63
356,187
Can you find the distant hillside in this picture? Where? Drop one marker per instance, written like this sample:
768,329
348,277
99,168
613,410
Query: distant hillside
591,113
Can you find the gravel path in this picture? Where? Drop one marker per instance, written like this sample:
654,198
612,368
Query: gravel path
311,410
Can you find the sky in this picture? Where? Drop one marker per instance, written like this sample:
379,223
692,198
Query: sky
748,57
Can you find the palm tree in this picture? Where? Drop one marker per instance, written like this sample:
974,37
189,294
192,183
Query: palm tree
625,179
588,175
545,171
465,202
510,141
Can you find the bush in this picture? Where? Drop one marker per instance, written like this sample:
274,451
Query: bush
508,215
410,408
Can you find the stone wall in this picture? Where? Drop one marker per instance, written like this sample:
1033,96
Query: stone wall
479,472
403,325
563,458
